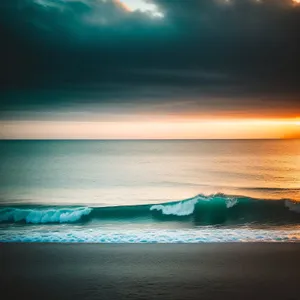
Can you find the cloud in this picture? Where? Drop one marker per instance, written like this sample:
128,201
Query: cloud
203,54
102,12
144,6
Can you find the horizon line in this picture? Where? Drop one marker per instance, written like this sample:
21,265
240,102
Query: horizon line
149,139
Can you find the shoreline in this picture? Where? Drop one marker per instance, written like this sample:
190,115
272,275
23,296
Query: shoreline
148,271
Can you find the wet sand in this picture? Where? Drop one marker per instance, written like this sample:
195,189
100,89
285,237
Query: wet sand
149,271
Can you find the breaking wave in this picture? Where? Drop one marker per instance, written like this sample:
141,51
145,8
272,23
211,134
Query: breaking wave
218,209
43,215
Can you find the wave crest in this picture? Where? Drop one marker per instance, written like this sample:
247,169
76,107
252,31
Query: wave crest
183,208
187,207
293,206
43,216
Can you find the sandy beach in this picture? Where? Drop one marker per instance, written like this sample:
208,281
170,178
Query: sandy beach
122,271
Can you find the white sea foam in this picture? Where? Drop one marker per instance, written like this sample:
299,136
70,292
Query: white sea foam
184,208
207,235
231,202
187,207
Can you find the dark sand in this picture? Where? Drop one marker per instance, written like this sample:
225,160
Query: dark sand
206,271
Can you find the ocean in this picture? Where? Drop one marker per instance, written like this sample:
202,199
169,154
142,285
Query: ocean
150,191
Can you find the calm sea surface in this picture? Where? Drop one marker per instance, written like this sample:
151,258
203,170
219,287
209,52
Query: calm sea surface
141,172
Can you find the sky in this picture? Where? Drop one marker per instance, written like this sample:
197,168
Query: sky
149,69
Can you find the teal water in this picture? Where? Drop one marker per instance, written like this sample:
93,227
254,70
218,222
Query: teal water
150,191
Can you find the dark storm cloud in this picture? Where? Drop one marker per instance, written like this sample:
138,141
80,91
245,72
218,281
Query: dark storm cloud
207,55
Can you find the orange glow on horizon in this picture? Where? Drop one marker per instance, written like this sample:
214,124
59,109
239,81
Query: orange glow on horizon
172,129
